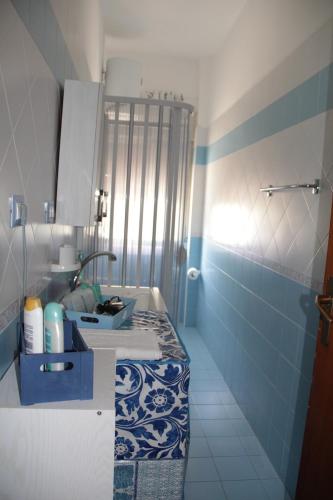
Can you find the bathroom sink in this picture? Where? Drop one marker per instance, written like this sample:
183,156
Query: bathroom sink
128,344
147,299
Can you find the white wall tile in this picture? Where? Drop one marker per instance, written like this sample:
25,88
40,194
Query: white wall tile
5,126
12,60
29,108
11,284
11,181
25,140
286,229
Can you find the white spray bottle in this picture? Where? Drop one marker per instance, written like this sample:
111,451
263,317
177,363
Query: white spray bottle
33,326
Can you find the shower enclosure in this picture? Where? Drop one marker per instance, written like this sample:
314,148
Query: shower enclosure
147,159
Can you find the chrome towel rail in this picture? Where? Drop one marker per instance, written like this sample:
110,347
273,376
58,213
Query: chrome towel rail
271,189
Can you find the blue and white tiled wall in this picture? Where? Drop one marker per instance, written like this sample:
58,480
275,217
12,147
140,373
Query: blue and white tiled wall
263,258
33,64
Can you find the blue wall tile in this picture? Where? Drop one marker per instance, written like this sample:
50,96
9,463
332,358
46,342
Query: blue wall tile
305,101
261,330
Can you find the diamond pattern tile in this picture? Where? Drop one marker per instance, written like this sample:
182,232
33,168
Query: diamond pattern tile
29,109
286,232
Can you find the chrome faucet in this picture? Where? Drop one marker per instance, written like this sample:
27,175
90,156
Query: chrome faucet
86,261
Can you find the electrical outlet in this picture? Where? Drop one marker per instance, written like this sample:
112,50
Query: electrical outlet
17,210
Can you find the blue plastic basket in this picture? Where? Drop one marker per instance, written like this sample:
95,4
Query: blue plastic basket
76,382
92,320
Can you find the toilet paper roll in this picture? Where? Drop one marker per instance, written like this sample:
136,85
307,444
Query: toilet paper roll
193,273
67,255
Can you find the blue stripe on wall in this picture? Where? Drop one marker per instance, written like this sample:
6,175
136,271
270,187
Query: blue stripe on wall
305,101
261,331
42,24
201,155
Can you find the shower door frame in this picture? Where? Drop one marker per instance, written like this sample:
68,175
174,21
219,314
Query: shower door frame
176,108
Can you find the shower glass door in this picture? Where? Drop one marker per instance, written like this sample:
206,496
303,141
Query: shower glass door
147,173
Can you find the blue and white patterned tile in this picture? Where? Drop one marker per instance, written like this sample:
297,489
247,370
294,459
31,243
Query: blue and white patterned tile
160,479
152,411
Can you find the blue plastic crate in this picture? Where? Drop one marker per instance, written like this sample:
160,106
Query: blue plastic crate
92,320
76,382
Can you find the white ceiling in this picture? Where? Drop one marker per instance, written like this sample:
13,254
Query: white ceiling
184,28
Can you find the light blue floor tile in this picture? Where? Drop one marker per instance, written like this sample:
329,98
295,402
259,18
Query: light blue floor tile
207,398
227,398
209,385
196,429
220,428
245,490
263,466
275,489
199,447
201,469
251,445
225,447
242,427
194,414
206,375
210,412
235,468
234,411
204,491
202,358
207,364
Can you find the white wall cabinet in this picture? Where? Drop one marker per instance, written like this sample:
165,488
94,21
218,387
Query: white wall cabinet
59,451
80,153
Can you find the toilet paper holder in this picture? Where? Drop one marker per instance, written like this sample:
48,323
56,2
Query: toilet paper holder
193,273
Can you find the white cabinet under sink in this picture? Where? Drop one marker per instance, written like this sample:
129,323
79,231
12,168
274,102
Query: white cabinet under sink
62,450
80,153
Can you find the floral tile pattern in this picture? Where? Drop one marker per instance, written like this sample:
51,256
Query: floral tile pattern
152,406
152,410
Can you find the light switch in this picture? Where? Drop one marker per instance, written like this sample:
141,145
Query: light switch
17,211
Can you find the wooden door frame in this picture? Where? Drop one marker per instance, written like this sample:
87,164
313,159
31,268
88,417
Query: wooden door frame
318,390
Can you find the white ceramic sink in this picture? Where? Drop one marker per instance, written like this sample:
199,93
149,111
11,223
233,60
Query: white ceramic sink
147,299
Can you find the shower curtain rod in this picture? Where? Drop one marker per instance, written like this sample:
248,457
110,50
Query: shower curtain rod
142,100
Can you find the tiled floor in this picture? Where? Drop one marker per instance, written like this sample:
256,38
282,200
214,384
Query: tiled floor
226,460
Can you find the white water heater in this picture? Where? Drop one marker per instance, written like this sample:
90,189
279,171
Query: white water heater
123,77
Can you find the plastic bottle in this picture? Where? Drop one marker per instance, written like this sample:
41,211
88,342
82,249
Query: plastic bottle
54,333
33,325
